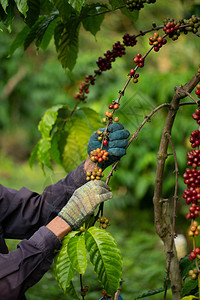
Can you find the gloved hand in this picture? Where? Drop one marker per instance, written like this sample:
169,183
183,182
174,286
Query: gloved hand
84,201
116,144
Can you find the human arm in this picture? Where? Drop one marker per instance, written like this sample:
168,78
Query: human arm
24,211
23,267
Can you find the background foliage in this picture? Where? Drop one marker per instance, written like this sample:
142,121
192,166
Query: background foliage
21,111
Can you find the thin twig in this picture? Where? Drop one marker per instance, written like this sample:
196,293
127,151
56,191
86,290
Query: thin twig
186,103
195,100
175,198
118,291
106,11
133,137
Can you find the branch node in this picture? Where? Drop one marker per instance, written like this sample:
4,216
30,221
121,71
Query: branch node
176,171
148,118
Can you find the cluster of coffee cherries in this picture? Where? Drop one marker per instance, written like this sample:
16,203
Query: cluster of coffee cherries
190,25
96,174
195,138
194,229
196,116
137,4
197,91
84,291
84,87
134,75
104,63
99,155
109,114
171,28
157,41
104,222
195,253
193,274
174,28
193,159
139,60
129,40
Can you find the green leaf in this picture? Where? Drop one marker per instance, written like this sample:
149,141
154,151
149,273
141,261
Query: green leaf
189,286
22,6
70,290
33,12
44,153
55,151
48,120
33,32
65,9
68,44
63,270
9,16
77,253
19,40
106,258
43,26
189,298
58,33
46,6
186,265
4,4
75,150
132,15
117,3
92,117
150,293
90,19
33,155
48,34
77,4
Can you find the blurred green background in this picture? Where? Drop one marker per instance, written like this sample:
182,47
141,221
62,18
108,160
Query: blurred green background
32,83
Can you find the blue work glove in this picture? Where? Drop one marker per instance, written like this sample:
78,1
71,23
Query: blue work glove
116,144
120,298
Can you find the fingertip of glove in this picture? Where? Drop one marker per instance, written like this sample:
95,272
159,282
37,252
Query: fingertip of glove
115,126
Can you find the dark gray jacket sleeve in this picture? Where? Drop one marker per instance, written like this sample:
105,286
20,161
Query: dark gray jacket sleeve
23,212
22,268
23,215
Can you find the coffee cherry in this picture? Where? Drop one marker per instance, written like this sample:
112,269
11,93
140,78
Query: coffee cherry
132,72
105,142
86,288
116,119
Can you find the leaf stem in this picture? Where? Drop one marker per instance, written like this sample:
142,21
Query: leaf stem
81,282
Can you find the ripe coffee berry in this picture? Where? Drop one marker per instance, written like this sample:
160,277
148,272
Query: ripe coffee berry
105,142
99,155
157,41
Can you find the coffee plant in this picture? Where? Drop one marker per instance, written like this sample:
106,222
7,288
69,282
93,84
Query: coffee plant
65,131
